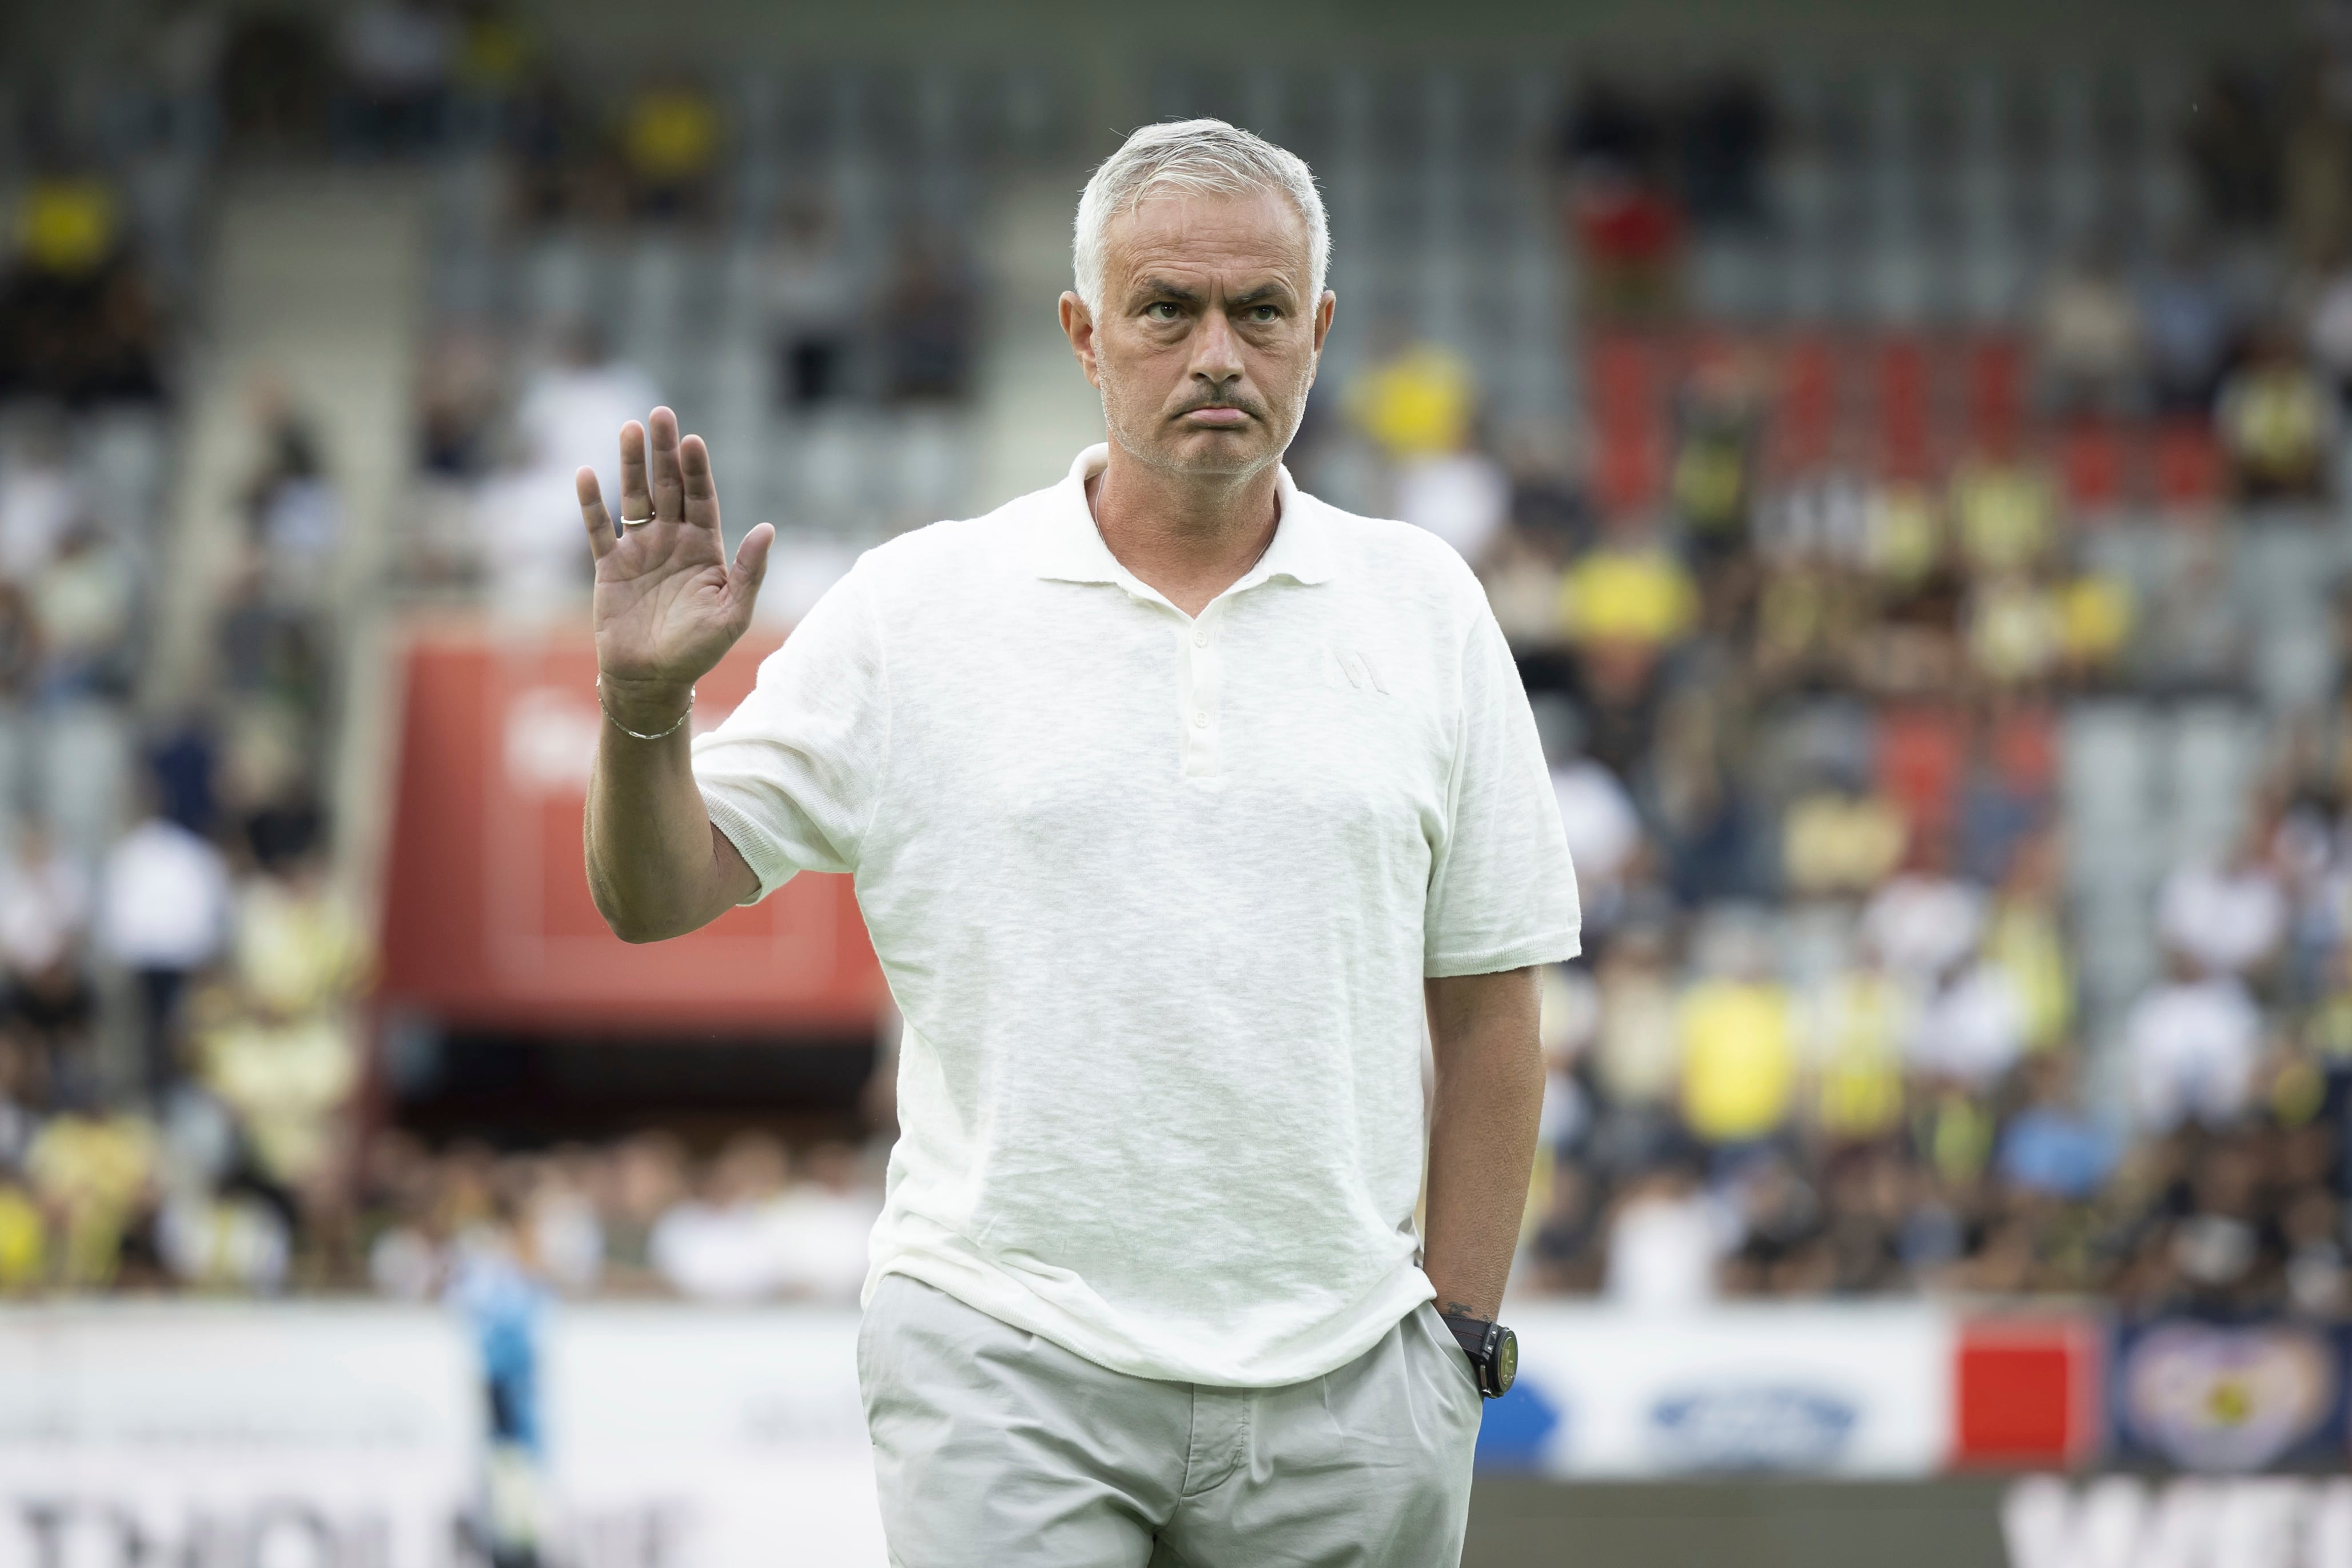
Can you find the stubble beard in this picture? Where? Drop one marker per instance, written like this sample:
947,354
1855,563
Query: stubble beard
1157,447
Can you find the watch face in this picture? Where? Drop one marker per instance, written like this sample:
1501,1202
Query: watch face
1507,1362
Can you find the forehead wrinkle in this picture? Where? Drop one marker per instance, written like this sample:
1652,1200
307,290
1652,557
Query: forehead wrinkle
1280,250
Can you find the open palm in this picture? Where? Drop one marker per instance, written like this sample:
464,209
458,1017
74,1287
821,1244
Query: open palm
668,603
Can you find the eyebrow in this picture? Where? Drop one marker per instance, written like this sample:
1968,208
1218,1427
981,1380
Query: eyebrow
1261,294
1161,289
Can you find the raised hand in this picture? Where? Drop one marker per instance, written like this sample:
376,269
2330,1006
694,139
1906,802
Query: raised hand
668,604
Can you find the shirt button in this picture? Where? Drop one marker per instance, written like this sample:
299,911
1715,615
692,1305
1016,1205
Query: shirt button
1200,720
1200,637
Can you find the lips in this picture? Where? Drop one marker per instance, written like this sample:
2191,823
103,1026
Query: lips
1219,415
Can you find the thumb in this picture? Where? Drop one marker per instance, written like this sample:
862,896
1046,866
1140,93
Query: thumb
750,567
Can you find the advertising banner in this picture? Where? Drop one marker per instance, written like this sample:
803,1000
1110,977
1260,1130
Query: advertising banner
2194,1395
2136,1521
1860,1390
281,1436
215,1436
707,1437
487,920
2026,1391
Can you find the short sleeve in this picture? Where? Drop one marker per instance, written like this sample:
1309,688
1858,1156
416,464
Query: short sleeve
792,776
1502,894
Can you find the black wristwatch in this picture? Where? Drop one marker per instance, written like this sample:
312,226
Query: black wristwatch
1493,1349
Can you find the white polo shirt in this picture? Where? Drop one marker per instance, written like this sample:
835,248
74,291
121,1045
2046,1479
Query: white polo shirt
1156,894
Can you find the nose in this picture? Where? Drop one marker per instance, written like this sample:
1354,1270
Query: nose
1216,351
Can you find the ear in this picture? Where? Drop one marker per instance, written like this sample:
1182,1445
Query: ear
1078,327
1323,308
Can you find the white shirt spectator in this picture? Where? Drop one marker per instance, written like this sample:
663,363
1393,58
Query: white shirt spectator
164,899
571,414
1921,926
527,526
715,1253
820,1239
2225,919
567,1239
44,908
38,502
1662,1251
1463,498
1973,1030
2192,1046
1602,828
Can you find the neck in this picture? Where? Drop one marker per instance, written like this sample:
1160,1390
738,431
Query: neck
1190,536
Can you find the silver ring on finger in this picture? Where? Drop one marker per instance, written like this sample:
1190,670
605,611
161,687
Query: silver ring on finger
636,522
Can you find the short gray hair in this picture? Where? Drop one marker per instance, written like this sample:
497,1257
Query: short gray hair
1199,157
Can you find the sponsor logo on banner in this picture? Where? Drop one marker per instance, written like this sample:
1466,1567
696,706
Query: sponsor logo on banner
220,1436
2229,1396
2127,1521
1852,1389
138,1510
1760,1426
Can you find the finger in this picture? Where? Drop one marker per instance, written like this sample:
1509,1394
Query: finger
750,571
700,486
636,501
661,440
601,538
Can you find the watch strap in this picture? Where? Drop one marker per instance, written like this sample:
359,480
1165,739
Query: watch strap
1477,1338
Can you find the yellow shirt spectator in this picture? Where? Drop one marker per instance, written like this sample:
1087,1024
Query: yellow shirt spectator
24,1244
94,1170
297,948
1417,404
67,226
1834,842
1739,1065
2094,620
2015,630
288,1082
1858,1026
1638,595
1904,536
2007,515
672,134
2275,420
2025,943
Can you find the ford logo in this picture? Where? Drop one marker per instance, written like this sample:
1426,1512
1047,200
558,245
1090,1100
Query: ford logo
1761,1427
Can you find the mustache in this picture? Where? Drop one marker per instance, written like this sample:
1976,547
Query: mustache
1246,405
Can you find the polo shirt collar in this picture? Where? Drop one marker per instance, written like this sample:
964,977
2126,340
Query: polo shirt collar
1070,549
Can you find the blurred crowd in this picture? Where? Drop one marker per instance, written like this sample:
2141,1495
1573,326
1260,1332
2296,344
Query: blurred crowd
1849,647
1874,666
751,1220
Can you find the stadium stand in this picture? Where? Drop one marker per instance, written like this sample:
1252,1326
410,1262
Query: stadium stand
1917,499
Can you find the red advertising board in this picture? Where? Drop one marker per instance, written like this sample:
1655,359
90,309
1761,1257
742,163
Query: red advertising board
488,922
2026,1392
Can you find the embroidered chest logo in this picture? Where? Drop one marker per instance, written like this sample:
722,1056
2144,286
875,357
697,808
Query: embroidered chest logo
1347,667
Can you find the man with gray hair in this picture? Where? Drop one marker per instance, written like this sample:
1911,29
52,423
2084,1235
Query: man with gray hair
1190,817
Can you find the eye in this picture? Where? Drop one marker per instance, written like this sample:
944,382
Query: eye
1264,313
1161,311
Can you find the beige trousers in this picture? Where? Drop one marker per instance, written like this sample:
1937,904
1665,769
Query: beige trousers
993,1446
